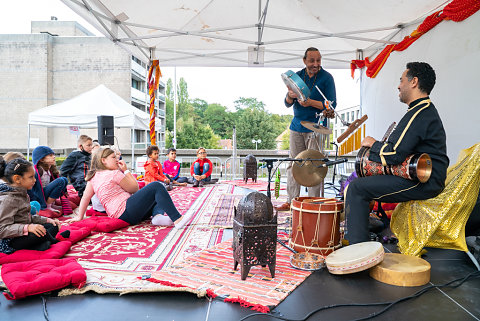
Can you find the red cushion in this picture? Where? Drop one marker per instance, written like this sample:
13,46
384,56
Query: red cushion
49,213
77,233
101,224
29,278
92,212
55,251
74,198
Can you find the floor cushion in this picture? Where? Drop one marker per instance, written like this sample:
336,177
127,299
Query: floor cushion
55,251
34,277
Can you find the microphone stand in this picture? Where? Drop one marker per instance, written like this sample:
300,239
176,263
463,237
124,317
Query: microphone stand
270,161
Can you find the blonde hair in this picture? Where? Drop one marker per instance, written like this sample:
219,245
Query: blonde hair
83,139
201,148
12,155
97,164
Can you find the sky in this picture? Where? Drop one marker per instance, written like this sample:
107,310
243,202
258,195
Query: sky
214,85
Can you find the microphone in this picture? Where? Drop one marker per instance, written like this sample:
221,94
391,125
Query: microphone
330,163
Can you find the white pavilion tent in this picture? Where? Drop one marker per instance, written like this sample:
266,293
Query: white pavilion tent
82,111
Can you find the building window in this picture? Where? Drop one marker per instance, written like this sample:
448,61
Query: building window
139,136
353,116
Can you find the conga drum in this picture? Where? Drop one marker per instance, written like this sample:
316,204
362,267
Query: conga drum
315,225
355,258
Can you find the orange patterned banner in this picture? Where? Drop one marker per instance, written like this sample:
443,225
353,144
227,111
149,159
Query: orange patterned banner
152,88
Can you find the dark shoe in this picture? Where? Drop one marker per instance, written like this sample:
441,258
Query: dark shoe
375,225
201,184
169,187
283,207
195,184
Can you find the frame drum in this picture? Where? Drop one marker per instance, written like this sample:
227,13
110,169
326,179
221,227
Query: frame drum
296,84
355,258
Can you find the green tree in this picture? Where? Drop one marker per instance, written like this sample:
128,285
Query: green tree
220,120
169,90
190,136
199,107
169,114
285,145
254,123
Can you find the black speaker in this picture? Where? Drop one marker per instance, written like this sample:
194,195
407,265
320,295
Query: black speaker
105,130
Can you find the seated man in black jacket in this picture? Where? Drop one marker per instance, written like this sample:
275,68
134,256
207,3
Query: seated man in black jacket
419,131
77,164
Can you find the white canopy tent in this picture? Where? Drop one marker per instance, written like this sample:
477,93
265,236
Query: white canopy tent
82,111
276,33
225,33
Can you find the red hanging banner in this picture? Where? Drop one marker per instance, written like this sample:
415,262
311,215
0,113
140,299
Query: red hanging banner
457,10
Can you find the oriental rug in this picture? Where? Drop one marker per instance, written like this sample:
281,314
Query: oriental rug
114,261
212,269
256,186
224,212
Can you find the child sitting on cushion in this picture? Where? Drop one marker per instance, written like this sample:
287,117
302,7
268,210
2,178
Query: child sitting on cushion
18,229
201,169
48,185
153,168
118,191
77,164
171,168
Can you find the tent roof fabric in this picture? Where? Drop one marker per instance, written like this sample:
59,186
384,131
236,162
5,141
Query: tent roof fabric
244,33
83,110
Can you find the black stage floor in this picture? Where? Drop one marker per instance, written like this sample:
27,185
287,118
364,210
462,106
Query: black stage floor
319,290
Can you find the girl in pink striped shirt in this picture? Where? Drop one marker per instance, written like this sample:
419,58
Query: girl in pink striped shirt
118,192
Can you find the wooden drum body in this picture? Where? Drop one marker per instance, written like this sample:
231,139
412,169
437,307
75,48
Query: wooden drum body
414,167
315,224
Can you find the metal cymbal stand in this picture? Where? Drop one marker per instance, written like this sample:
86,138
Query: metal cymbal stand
332,183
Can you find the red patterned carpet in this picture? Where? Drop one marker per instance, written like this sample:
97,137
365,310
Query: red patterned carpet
212,269
113,261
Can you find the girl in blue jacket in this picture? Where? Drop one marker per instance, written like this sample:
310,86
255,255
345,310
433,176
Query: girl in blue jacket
48,186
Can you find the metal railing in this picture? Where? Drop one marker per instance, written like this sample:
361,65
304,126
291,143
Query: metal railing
187,161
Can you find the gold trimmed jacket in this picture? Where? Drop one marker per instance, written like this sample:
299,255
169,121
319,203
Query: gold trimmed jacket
419,131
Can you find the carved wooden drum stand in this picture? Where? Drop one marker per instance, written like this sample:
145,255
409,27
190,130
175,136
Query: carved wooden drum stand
254,234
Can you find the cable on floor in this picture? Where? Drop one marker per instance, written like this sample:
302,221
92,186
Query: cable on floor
44,304
375,314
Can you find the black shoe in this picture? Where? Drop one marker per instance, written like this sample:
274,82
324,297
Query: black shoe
201,184
195,184
375,225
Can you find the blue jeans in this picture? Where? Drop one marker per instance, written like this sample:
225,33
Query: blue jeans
196,170
178,179
151,200
56,188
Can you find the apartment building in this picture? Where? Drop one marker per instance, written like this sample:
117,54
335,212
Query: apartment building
58,61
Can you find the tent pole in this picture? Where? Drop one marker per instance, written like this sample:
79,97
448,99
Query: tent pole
133,150
28,142
174,107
